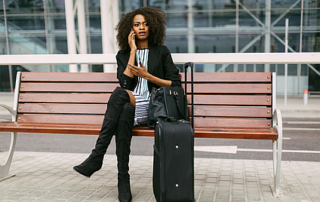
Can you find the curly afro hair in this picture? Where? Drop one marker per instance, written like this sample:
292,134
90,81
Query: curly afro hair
157,22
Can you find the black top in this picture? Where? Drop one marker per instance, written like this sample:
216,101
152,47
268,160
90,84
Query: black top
160,64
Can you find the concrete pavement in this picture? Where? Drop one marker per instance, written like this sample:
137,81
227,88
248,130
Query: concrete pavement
47,177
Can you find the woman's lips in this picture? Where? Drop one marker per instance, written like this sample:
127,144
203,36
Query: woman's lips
142,33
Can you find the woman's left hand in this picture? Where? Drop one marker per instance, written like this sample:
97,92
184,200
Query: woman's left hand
139,71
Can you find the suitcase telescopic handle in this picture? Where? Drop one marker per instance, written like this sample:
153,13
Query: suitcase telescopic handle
185,66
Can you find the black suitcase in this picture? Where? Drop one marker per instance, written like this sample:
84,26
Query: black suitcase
173,165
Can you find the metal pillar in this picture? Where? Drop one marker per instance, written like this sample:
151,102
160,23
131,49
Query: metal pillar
109,19
71,35
191,46
267,34
300,46
286,65
82,32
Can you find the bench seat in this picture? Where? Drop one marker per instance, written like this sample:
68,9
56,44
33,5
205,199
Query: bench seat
86,129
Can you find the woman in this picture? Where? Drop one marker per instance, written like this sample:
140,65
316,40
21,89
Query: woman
143,63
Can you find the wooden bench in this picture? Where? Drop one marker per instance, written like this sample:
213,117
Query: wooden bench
226,105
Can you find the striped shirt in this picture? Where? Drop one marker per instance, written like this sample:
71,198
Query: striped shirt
141,92
142,86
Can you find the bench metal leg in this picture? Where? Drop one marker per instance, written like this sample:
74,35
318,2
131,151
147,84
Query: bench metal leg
277,154
4,169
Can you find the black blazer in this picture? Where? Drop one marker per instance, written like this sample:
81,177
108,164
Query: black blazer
160,64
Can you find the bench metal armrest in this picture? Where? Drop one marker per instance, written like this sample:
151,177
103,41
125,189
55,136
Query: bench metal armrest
277,152
4,169
10,110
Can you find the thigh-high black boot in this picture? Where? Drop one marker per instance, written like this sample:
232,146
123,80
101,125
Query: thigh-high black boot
93,163
123,142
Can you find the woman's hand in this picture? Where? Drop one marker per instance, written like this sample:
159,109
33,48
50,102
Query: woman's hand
132,41
139,71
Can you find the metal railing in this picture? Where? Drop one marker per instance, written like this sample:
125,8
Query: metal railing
178,58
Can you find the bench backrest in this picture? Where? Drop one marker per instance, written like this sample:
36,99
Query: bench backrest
237,100
232,100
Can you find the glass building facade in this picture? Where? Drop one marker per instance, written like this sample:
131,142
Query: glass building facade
194,26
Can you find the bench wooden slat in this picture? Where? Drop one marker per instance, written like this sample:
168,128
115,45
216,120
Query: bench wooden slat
94,98
224,77
262,112
68,77
68,87
107,87
231,122
254,100
247,100
97,119
58,118
96,109
227,88
253,133
230,77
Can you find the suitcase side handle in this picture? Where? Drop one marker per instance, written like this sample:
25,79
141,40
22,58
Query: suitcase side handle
185,66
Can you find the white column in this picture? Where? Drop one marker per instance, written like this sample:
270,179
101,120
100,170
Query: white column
190,28
268,30
109,19
286,65
82,32
70,32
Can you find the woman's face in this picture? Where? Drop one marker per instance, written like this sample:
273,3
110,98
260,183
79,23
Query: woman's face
140,27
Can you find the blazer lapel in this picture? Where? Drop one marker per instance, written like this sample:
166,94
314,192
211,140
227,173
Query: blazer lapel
153,58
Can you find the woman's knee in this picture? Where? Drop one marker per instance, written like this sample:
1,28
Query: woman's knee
132,98
119,94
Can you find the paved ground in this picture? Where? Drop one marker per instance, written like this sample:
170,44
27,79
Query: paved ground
49,177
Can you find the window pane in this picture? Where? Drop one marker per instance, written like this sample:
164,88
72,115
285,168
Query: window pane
294,17
283,3
59,22
26,22
27,45
2,27
129,5
220,5
294,43
93,5
4,79
177,19
177,43
311,4
3,50
245,19
304,70
311,42
280,69
220,43
254,4
55,6
24,7
311,20
223,19
60,44
292,69
246,39
96,44
168,5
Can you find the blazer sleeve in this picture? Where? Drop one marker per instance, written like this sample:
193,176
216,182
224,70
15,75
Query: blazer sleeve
171,71
125,81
